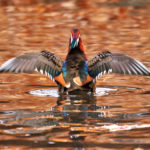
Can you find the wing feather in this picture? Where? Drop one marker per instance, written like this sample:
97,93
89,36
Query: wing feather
106,62
44,62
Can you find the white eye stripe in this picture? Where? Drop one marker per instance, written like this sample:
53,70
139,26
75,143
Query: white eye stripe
71,38
77,41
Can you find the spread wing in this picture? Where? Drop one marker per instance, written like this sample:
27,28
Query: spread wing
45,62
106,62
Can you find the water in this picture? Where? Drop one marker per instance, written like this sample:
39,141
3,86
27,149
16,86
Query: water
34,116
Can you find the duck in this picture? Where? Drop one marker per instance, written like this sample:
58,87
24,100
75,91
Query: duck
76,72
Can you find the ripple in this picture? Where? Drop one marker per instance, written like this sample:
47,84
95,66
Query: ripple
103,91
45,92
54,92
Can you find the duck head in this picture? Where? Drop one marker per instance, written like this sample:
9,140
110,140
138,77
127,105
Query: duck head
74,39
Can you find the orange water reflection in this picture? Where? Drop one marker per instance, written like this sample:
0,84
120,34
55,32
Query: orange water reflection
28,121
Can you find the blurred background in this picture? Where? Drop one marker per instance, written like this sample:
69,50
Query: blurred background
117,25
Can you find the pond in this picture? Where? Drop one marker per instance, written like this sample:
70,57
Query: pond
32,113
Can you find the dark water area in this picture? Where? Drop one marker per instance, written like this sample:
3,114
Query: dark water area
34,116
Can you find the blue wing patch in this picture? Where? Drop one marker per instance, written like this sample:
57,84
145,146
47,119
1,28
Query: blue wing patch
64,70
83,71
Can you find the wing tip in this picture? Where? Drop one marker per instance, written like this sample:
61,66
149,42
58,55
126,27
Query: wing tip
143,68
5,66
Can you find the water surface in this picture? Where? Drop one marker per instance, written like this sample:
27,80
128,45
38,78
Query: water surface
33,115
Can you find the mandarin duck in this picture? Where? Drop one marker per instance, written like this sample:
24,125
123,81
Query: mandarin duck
76,72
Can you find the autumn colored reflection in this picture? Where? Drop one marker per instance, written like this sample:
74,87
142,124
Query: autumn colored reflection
34,116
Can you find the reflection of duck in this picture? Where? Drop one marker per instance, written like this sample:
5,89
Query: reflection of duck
75,72
81,115
70,105
79,108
